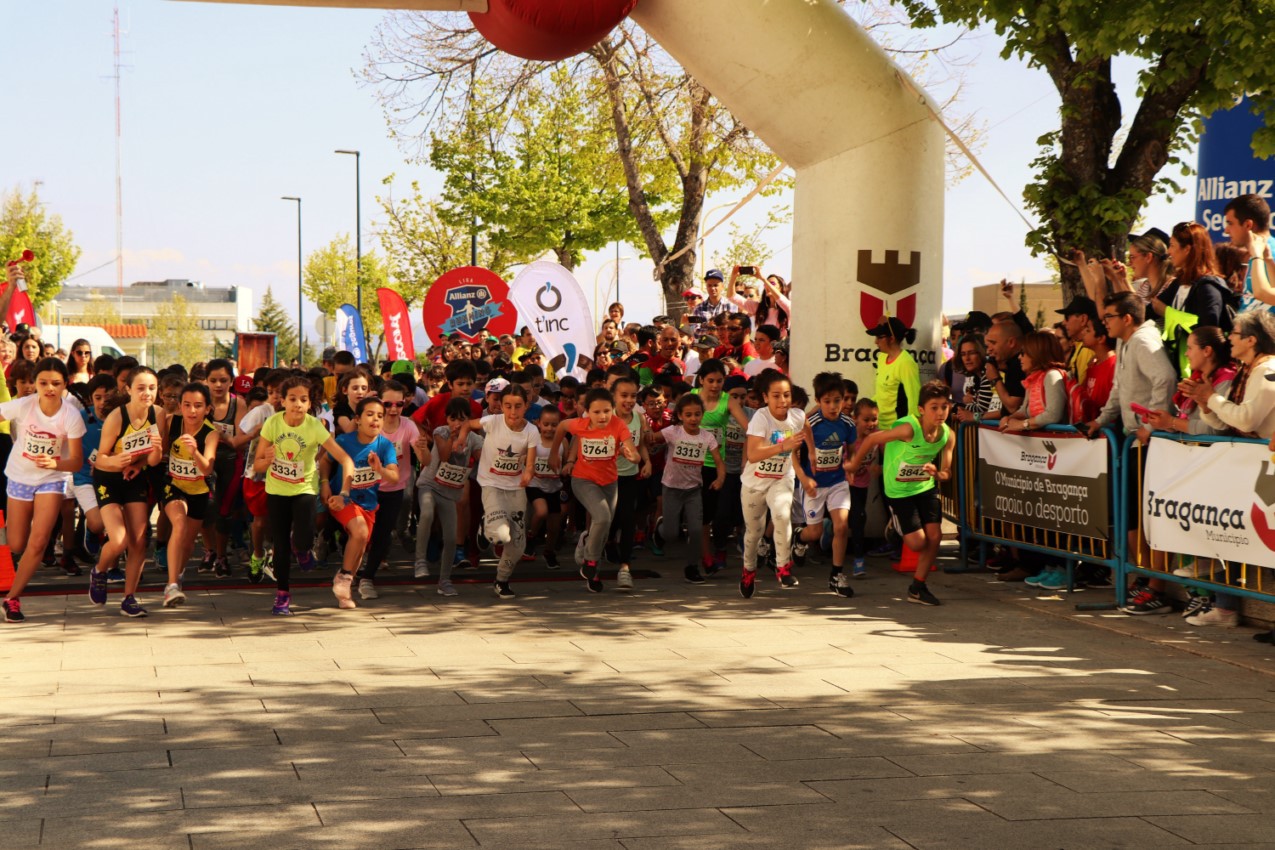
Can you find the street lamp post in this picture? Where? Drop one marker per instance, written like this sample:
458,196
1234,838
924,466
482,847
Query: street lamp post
300,302
358,240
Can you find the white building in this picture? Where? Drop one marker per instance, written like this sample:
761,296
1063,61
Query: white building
220,311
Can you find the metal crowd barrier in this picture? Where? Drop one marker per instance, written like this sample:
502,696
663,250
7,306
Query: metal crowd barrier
976,528
1215,574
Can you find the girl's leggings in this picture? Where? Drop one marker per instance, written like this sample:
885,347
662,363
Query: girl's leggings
690,502
291,529
778,499
432,504
378,547
600,503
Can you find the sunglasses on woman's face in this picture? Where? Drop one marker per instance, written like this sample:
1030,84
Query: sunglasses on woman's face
84,351
392,403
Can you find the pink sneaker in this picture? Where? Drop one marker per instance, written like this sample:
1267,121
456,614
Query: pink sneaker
342,584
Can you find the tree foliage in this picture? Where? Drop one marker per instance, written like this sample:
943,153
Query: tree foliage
273,318
99,310
1094,172
420,246
175,336
330,275
538,175
24,224
749,246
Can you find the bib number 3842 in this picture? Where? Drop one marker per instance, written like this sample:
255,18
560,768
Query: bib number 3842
911,473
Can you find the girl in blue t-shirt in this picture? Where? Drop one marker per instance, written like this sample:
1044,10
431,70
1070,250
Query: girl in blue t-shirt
375,460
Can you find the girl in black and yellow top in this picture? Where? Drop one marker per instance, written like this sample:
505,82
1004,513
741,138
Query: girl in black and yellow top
191,449
131,443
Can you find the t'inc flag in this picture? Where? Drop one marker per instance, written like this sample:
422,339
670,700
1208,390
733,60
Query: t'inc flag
549,299
398,325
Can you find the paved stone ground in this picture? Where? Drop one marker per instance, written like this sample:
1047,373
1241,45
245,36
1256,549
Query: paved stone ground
672,718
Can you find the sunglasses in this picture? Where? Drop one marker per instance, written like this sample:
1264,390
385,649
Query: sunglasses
86,352
392,403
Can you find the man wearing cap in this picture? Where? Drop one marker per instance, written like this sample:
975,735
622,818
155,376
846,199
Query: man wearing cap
714,303
404,371
1081,313
701,350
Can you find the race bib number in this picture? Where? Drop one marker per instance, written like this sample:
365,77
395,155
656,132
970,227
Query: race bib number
451,475
688,453
287,471
827,460
93,457
506,465
772,467
543,470
225,429
38,444
597,449
183,469
136,443
911,473
364,477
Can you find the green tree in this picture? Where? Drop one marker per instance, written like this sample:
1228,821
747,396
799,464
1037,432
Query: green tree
329,280
272,318
749,247
537,175
420,246
24,224
1094,174
98,310
175,336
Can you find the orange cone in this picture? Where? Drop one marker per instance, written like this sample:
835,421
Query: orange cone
6,559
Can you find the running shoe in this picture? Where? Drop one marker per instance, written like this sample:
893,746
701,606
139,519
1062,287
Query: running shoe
256,568
1137,597
173,596
206,563
1216,617
551,560
13,611
624,579
421,570
747,583
305,560
503,590
589,572
1149,603
716,565
445,588
1056,580
582,547
786,578
839,583
97,587
860,568
130,608
367,590
799,548
69,567
462,562
919,593
282,604
1196,604
221,568
342,584
115,576
693,574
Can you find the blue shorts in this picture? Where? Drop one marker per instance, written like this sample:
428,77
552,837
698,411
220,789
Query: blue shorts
27,492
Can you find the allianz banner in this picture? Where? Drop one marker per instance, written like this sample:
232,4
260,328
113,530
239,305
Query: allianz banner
1055,482
1212,500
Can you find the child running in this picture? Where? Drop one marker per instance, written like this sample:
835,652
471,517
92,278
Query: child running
689,446
823,478
773,434
353,501
505,469
131,445
47,448
289,444
98,391
192,451
600,437
254,483
441,484
544,496
912,448
865,425
403,434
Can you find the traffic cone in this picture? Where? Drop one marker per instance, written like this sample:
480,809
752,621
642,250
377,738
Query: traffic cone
6,558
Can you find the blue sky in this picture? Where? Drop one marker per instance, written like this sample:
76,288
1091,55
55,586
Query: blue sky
226,108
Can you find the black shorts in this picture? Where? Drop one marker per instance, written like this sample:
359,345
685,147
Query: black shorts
914,513
553,500
113,489
196,503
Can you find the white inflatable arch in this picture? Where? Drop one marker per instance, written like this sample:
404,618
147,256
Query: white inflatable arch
861,137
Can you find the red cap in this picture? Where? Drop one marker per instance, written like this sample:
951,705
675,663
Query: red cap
243,385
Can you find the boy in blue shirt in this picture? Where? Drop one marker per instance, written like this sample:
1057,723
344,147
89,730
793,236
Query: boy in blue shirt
822,477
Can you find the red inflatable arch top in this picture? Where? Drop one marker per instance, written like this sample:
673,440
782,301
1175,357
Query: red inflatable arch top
549,30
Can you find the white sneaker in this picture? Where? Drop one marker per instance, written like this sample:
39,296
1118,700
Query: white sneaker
624,579
582,543
341,585
1216,617
367,590
445,589
173,596
422,570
